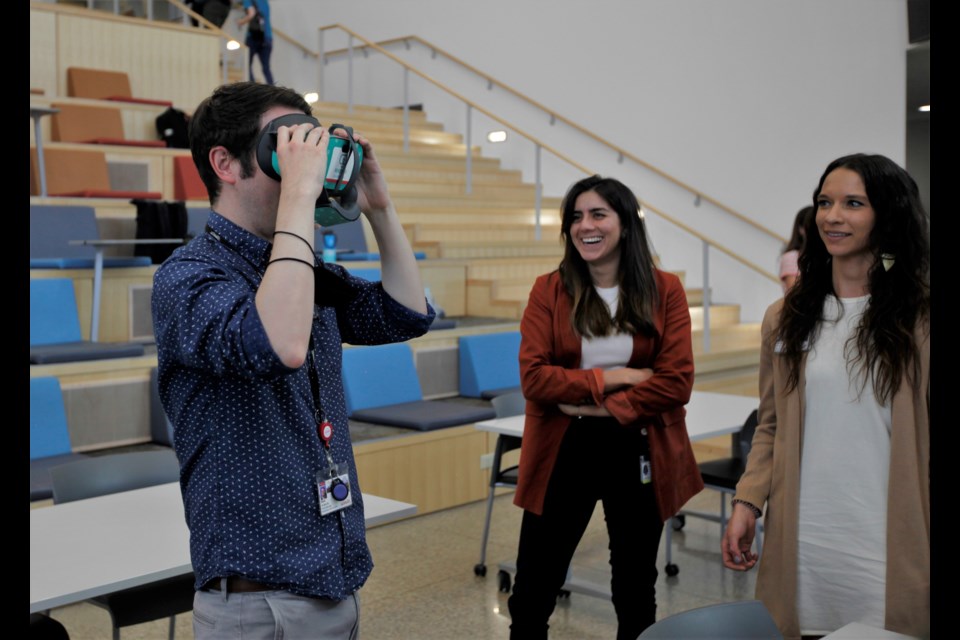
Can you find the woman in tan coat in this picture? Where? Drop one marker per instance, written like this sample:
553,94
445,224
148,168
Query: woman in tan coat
841,454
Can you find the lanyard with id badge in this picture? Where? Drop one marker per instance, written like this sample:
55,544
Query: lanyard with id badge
333,479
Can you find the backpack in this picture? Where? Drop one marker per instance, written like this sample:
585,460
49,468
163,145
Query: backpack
172,127
256,27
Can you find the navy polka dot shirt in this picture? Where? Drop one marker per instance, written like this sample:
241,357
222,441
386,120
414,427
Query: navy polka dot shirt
244,423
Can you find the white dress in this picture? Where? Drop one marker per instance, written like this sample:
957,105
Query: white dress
844,472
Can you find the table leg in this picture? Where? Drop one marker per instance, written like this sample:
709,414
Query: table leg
97,282
41,165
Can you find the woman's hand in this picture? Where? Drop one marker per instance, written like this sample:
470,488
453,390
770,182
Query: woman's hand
623,378
738,539
584,410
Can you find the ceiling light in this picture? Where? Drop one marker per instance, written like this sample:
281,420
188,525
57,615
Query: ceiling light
925,107
311,97
233,45
497,136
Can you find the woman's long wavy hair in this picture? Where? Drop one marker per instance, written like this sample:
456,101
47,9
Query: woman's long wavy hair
638,286
883,346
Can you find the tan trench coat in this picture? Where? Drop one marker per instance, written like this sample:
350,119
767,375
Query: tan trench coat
772,477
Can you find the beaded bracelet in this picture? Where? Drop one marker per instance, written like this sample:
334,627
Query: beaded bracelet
756,512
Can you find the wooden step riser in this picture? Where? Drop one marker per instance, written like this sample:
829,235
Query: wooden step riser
493,251
520,194
514,232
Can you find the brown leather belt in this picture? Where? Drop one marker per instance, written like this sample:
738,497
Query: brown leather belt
237,584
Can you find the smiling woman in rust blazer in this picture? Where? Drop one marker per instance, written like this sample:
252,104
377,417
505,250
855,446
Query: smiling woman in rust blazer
606,365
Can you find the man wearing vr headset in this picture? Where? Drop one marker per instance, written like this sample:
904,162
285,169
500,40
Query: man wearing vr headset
249,326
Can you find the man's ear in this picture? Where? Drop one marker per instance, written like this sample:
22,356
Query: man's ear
225,165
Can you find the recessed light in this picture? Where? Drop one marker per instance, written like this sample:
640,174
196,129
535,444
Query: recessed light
311,97
497,136
233,45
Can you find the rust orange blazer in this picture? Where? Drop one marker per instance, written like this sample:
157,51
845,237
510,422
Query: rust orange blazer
550,374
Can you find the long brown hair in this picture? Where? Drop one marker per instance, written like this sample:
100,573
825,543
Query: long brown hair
638,286
883,345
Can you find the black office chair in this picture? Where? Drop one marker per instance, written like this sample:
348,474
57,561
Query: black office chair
720,475
112,473
43,627
505,405
742,620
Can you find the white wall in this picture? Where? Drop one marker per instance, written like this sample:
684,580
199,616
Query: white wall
744,100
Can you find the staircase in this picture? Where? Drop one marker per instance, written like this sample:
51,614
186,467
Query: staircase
492,231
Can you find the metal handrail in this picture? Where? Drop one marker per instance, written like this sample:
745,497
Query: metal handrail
554,117
539,145
647,206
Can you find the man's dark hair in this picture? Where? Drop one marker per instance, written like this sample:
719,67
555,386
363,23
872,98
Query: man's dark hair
230,117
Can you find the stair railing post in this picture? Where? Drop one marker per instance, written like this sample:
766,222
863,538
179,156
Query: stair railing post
539,192
350,74
323,62
406,110
706,297
469,185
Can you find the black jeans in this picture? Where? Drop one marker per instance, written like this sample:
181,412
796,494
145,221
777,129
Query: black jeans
598,460
261,49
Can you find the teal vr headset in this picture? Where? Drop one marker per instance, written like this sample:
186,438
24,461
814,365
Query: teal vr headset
338,200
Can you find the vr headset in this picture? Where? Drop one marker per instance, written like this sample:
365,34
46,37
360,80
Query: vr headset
338,200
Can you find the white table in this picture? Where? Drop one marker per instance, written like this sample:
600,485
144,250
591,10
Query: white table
37,112
709,415
87,548
858,631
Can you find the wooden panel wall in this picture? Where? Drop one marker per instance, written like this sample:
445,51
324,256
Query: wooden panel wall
434,470
164,61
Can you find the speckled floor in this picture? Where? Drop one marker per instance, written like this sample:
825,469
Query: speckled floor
424,587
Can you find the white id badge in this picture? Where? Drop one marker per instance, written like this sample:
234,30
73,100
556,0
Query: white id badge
335,493
645,474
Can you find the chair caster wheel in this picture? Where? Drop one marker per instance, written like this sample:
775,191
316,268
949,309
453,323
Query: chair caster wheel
678,522
672,570
504,579
480,570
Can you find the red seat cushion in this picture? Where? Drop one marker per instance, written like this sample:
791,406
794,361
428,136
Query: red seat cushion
187,184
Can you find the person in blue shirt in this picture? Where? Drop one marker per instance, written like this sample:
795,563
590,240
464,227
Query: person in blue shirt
249,326
259,39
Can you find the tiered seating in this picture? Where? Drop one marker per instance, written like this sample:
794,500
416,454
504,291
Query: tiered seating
79,173
49,437
489,364
55,327
381,386
104,84
93,125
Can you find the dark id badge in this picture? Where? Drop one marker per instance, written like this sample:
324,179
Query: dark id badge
645,474
333,487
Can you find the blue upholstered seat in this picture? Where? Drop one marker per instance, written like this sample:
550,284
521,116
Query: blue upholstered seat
52,227
49,436
352,243
381,387
489,364
367,274
196,220
55,327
